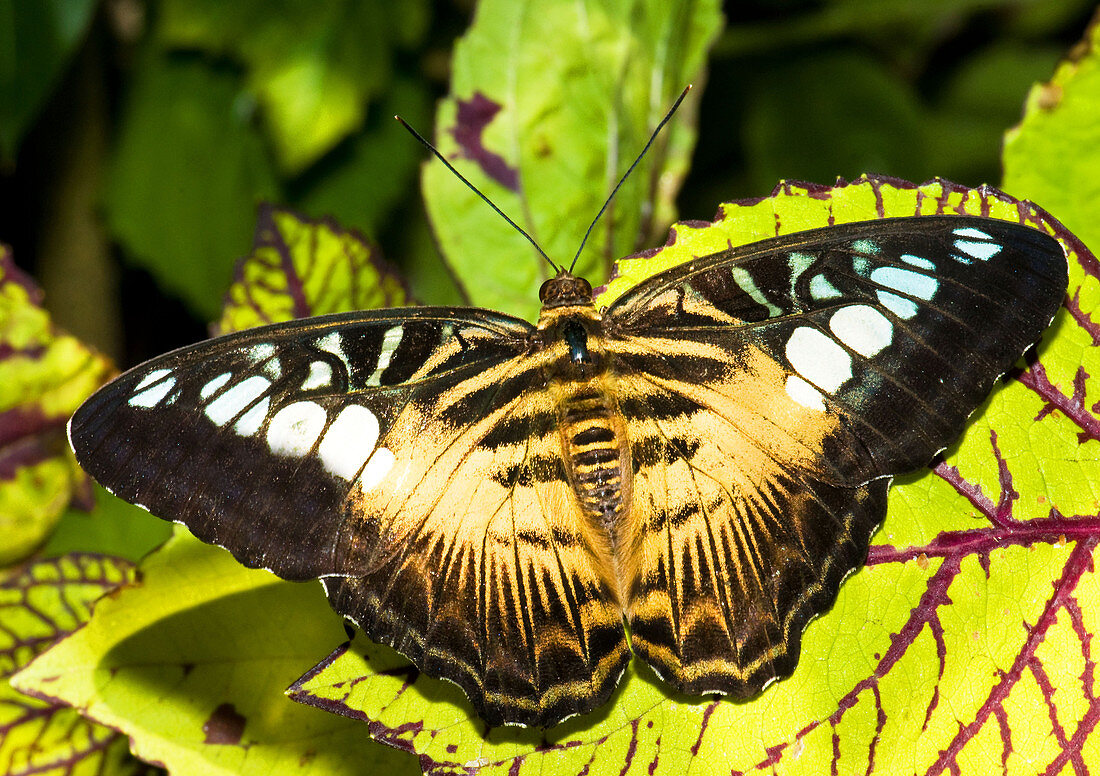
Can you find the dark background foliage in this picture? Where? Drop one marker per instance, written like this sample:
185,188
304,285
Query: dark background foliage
137,136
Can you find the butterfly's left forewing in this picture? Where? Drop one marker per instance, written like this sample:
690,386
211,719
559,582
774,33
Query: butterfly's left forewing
410,459
769,392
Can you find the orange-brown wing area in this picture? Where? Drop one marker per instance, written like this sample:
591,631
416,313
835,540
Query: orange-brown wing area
479,564
741,535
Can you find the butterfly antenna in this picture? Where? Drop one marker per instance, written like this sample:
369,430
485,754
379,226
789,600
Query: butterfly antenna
477,191
626,174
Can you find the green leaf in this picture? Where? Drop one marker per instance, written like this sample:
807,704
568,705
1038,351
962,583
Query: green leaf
186,176
971,609
192,663
301,267
1053,156
314,66
40,603
114,527
836,114
37,38
44,376
546,132
360,183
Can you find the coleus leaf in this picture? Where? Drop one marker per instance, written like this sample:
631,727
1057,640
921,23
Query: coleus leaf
191,664
548,142
44,376
314,67
955,635
177,663
301,267
41,602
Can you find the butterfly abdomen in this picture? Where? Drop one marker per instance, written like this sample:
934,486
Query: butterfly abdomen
594,452
593,438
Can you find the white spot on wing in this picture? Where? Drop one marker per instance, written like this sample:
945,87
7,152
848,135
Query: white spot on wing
898,305
349,441
821,288
979,250
295,428
212,387
376,469
818,358
320,376
390,340
333,343
918,261
235,400
906,281
743,278
151,378
250,422
804,393
862,328
152,396
261,352
971,232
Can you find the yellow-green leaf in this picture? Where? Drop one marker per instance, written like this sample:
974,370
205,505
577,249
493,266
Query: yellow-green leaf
943,653
301,267
44,376
537,126
192,662
40,603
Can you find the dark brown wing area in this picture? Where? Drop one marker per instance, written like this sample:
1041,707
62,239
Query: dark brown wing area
479,565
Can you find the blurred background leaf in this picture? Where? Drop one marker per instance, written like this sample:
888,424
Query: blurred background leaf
138,136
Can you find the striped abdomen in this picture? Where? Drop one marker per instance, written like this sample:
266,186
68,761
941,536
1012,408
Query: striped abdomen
594,450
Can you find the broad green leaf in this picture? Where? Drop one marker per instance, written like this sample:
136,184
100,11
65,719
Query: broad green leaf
186,176
547,130
360,183
40,603
44,376
301,267
837,114
314,66
37,38
1053,156
973,605
114,527
192,662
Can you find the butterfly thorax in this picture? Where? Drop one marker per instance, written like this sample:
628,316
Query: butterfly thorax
580,377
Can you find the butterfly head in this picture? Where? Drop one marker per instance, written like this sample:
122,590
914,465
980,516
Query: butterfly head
565,290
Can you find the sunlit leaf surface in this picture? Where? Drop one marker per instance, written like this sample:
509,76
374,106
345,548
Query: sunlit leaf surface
40,603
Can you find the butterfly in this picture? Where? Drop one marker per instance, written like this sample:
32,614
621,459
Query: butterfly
686,476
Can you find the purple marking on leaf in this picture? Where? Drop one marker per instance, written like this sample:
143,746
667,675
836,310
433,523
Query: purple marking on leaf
224,726
473,116
632,748
7,351
1079,562
1046,687
1073,407
936,627
655,762
1083,319
28,437
1006,734
703,727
